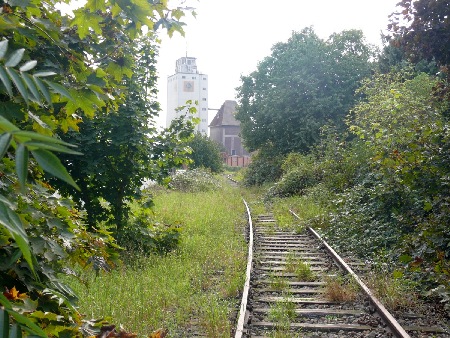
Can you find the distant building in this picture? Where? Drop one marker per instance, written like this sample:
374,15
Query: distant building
188,84
225,130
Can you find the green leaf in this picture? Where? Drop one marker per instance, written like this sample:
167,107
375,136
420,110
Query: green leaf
6,125
11,221
31,86
22,164
57,88
51,163
43,89
18,82
28,66
28,323
5,140
4,322
6,201
427,206
39,137
3,48
15,332
6,81
52,147
44,74
5,302
15,58
405,258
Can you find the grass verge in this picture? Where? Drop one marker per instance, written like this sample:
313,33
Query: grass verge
191,289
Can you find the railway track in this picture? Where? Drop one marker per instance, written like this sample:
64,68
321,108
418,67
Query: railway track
297,286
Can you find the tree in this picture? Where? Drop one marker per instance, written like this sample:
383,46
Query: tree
421,28
305,83
118,146
83,64
205,153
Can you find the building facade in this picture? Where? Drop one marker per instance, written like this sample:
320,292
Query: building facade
188,84
225,130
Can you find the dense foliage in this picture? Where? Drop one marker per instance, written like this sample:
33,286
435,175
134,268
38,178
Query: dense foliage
122,148
194,180
84,67
205,153
379,164
387,188
305,83
420,27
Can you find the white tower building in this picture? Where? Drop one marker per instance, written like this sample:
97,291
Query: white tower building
188,84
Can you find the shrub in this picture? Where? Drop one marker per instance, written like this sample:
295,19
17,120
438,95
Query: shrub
301,172
195,180
143,235
205,153
265,167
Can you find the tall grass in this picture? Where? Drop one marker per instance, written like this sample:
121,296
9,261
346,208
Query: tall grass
190,290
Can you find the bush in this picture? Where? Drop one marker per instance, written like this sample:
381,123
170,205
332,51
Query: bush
142,235
205,153
264,168
195,180
301,172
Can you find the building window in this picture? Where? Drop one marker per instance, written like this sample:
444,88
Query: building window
204,78
194,77
183,77
203,130
233,152
203,109
204,88
204,99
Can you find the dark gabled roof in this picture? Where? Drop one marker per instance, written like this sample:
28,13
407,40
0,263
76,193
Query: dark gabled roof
225,115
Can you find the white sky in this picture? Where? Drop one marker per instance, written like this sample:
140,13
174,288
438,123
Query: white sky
230,37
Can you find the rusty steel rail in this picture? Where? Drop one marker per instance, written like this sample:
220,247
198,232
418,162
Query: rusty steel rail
243,307
396,328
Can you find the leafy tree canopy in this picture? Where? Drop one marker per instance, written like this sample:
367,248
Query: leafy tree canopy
306,83
422,29
55,71
205,153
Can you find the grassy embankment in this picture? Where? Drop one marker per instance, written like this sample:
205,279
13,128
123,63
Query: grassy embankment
193,288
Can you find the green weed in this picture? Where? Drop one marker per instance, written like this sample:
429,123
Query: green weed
301,269
197,280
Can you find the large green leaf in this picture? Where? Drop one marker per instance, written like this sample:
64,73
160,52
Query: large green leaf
5,302
5,140
11,221
21,319
43,89
22,164
50,163
57,88
51,147
3,48
15,331
4,323
20,85
27,135
28,66
44,74
5,125
15,58
6,81
31,86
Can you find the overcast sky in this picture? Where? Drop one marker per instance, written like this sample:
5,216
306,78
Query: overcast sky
230,37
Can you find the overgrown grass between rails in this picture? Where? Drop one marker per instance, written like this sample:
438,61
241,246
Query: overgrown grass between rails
307,207
194,286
